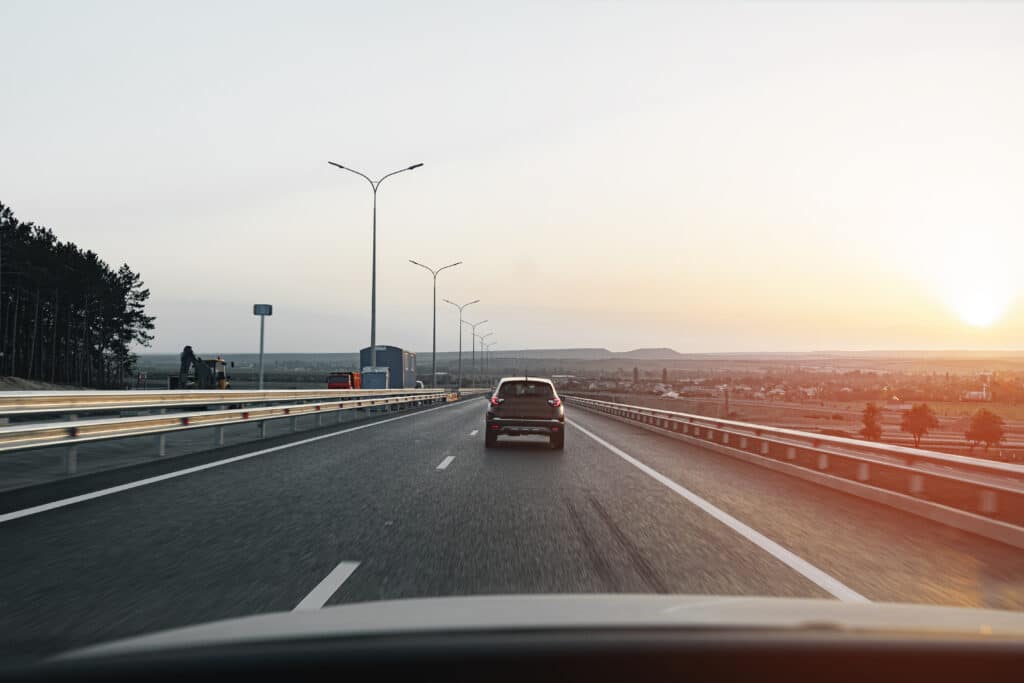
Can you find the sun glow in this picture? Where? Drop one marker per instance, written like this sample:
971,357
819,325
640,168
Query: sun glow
972,273
978,306
980,292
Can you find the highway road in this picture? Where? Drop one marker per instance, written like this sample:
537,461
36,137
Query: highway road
416,506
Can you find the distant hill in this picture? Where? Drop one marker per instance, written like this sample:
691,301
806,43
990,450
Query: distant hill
556,354
592,354
650,354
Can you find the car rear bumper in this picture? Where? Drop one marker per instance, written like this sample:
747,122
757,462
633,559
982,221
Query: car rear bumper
523,426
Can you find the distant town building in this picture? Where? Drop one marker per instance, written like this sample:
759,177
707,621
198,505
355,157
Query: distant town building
983,396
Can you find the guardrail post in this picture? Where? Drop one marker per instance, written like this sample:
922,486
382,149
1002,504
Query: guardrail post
292,423
71,460
161,439
916,484
319,419
863,471
263,429
220,436
987,502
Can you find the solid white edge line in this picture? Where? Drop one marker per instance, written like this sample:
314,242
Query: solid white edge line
64,502
791,560
444,463
319,596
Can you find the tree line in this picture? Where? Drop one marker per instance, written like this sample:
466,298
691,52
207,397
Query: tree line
985,427
66,316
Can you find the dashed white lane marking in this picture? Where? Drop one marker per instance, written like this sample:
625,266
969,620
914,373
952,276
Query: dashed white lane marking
474,432
35,510
319,596
444,463
791,560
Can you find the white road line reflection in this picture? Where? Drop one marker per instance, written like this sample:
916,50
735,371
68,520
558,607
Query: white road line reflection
319,596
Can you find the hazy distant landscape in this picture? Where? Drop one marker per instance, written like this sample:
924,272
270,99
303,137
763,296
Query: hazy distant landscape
602,362
823,391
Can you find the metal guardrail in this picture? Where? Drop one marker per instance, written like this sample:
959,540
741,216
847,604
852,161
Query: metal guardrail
983,497
474,391
73,432
39,402
933,440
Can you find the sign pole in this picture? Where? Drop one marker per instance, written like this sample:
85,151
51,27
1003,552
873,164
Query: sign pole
262,310
263,319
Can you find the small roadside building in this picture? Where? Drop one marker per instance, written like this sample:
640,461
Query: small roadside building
401,365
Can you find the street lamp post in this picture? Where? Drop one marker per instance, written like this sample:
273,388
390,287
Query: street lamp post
461,307
480,338
472,339
487,357
433,352
374,184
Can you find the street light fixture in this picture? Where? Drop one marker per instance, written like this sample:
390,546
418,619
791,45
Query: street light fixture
481,338
374,184
473,340
461,307
433,352
487,356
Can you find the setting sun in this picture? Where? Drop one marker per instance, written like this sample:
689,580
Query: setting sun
978,307
979,297
971,271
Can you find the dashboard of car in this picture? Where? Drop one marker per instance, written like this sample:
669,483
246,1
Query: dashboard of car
589,655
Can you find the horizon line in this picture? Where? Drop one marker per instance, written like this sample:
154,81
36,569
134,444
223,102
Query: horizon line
644,348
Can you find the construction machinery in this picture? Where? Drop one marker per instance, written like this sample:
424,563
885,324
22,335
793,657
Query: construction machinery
200,373
344,380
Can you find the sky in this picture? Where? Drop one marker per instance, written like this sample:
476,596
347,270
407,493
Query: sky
708,177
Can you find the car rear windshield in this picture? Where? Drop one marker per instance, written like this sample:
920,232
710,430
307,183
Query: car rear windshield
526,389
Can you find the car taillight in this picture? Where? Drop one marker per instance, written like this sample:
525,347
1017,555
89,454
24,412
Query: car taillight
554,402
495,401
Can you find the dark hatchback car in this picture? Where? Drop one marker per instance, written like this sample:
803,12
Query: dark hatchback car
523,406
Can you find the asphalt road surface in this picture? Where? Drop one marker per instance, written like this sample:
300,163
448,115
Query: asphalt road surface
415,506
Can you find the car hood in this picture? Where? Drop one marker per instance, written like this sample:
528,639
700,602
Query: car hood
573,612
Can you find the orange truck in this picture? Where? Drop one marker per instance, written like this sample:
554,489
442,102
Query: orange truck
344,380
